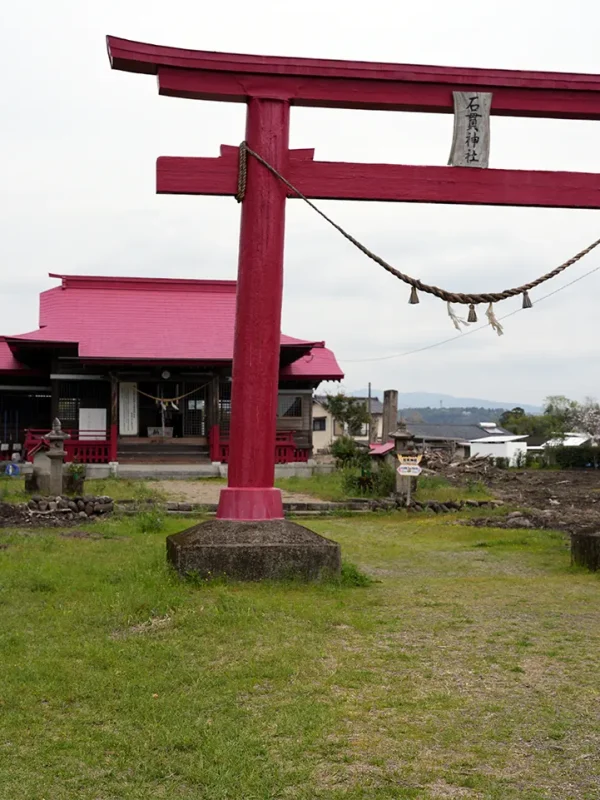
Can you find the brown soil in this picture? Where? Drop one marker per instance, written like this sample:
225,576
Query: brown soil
17,516
567,500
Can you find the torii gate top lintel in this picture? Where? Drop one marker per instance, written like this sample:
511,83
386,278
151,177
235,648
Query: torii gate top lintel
355,84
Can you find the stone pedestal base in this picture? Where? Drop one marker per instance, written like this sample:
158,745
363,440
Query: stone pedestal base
254,551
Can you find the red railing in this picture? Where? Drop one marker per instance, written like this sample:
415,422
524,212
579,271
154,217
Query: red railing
86,447
286,449
100,447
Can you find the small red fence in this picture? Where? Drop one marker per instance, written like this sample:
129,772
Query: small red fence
100,447
286,449
85,447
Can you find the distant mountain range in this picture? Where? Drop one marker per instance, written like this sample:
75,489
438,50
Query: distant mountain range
430,400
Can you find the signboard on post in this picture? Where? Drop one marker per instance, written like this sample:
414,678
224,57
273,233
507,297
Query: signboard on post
408,468
409,465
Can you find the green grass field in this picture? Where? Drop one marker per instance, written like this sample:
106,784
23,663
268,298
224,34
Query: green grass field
12,489
327,487
468,669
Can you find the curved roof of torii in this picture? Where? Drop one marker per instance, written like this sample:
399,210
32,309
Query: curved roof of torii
153,319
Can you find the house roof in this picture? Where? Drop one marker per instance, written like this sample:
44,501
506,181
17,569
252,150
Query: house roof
571,439
499,439
381,449
458,433
158,319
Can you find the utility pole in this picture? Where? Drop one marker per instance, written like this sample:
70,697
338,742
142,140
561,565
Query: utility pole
370,423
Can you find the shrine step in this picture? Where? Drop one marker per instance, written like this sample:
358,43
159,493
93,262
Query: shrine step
170,459
175,452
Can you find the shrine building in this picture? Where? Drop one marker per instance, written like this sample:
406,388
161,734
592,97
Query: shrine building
140,370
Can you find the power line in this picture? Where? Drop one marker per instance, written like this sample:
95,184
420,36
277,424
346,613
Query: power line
469,332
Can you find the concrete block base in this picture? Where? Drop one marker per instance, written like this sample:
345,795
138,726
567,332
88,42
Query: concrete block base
254,551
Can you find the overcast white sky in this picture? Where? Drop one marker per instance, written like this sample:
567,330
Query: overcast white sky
79,144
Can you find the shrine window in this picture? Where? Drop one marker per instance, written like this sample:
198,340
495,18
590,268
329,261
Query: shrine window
319,423
289,406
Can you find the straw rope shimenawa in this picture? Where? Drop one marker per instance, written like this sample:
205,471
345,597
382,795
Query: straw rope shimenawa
171,400
416,285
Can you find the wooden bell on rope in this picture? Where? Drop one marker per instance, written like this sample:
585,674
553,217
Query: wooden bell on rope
526,300
414,297
472,314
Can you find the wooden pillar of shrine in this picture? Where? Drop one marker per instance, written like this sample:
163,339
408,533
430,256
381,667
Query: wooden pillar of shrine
113,425
213,421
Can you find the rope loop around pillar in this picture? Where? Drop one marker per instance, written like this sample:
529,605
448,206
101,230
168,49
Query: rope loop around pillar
242,172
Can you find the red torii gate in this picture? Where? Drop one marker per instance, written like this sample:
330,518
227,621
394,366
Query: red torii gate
269,86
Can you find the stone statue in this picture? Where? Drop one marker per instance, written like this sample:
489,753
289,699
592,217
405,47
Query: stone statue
56,454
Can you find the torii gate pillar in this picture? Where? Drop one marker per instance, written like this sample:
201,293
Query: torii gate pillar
250,494
269,86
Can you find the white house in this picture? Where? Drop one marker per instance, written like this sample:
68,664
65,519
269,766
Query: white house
571,439
457,438
511,448
326,430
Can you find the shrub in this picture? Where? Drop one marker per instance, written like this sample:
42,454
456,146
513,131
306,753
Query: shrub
576,457
149,521
521,459
75,478
385,480
76,470
347,453
535,461
352,576
357,481
372,480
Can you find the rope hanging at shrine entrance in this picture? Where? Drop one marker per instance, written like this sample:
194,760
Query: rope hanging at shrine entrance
165,402
416,285
172,401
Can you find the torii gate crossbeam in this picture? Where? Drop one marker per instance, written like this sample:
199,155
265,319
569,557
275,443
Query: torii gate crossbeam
270,86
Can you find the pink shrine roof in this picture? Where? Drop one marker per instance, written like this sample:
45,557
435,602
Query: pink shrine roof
320,362
157,319
8,363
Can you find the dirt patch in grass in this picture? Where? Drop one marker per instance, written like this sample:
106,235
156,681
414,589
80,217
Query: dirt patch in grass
152,625
567,500
17,516
80,535
201,492
443,791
